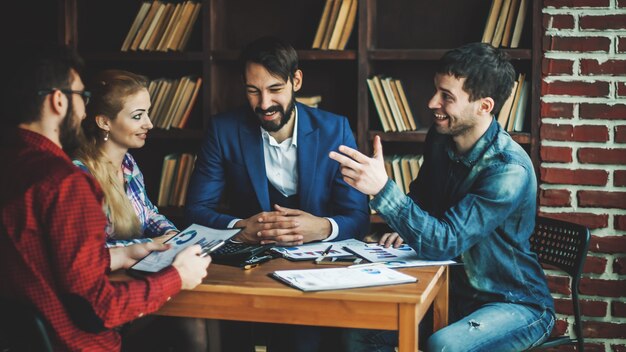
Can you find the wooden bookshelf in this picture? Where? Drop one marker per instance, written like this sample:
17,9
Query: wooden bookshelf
400,38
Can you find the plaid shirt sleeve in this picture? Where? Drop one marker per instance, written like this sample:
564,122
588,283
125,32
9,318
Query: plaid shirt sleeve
80,262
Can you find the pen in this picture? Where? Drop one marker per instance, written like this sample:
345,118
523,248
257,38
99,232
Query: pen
208,250
324,253
255,261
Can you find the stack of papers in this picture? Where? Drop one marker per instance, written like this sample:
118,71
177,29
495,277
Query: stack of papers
312,251
341,278
401,257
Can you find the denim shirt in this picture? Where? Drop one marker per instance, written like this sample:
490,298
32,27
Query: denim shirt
478,208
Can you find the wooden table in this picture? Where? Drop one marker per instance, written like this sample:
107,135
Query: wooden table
251,295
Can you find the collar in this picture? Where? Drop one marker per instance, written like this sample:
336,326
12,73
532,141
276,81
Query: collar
484,142
294,137
39,141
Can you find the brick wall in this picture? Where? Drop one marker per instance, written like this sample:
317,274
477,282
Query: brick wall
583,156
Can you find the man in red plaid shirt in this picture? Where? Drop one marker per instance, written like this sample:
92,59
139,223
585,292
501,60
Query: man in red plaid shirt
52,223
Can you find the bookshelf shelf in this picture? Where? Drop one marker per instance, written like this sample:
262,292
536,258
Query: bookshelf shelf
143,56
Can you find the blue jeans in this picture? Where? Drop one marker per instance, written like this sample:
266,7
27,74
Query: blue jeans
493,327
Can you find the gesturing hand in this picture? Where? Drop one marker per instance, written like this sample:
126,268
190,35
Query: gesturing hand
366,174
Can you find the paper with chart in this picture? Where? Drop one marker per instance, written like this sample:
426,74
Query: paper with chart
204,236
401,257
340,278
314,250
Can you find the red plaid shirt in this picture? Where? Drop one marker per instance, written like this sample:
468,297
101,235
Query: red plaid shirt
51,246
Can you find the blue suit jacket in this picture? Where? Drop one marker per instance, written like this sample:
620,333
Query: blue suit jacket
231,163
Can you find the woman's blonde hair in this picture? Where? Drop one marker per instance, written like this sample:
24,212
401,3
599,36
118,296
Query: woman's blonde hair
109,91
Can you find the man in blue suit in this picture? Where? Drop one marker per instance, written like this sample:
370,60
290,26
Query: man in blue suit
270,160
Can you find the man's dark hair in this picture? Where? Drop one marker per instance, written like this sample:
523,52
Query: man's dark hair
487,72
279,58
30,75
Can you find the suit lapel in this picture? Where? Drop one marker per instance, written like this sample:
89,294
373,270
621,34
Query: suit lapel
308,140
252,150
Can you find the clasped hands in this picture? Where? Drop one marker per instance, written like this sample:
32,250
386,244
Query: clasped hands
284,227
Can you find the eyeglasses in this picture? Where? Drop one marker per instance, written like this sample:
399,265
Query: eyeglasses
85,94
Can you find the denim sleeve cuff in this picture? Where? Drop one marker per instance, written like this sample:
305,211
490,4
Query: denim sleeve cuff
389,199
334,232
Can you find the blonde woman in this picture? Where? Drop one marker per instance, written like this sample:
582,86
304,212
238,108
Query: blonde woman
117,120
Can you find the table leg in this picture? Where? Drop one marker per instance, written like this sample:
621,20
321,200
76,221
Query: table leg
440,304
407,334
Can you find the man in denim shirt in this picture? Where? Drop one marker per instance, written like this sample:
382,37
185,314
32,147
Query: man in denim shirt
474,201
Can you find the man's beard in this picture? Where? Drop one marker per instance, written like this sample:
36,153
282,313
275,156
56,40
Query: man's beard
70,133
285,116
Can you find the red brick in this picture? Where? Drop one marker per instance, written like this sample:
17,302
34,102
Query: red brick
559,284
621,44
619,348
601,199
619,266
603,111
620,223
605,288
574,177
558,110
558,21
555,198
579,44
608,244
618,309
556,154
603,22
621,89
576,3
587,89
574,133
619,178
587,308
602,156
620,134
599,329
595,265
609,67
621,3
557,67
592,221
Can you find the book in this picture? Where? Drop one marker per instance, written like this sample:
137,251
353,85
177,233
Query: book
180,105
145,25
151,28
406,172
414,164
347,29
340,23
518,92
189,27
519,24
397,173
383,100
520,114
191,104
393,104
505,110
378,105
398,101
334,12
162,45
492,18
510,19
179,27
132,32
159,30
208,238
341,278
499,31
187,163
321,28
167,175
405,104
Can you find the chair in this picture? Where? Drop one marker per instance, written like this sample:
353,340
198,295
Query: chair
22,327
563,245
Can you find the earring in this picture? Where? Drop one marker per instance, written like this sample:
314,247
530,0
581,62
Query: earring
106,136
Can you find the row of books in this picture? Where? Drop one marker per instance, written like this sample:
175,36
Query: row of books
513,112
336,24
161,26
403,169
391,104
175,178
505,23
173,100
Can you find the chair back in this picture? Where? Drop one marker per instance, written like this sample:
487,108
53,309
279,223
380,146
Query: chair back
22,327
563,245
